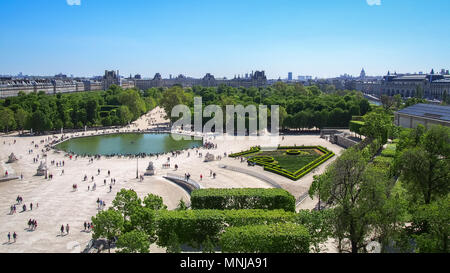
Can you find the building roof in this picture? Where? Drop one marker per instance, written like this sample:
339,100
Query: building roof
428,111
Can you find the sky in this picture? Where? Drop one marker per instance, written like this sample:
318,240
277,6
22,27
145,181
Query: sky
321,38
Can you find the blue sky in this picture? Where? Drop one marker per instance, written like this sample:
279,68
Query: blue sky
321,38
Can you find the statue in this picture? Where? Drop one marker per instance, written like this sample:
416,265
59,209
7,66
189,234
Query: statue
150,170
12,158
209,157
42,169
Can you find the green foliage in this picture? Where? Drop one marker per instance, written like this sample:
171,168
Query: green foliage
126,202
355,126
271,165
319,225
133,242
270,199
378,125
193,227
154,202
251,151
7,121
273,238
107,224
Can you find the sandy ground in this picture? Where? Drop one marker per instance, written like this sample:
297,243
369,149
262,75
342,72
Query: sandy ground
60,205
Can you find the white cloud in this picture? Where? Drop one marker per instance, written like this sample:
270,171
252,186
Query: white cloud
73,2
374,2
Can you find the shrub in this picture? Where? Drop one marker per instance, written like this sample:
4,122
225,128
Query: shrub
251,151
194,227
270,199
355,126
273,238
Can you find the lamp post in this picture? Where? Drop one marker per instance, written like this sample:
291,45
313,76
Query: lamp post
137,167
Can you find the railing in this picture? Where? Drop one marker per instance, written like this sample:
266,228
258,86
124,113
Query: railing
188,184
254,174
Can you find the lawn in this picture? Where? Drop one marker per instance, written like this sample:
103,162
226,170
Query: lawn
290,163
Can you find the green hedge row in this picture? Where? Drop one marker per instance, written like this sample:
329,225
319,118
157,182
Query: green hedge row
220,199
390,150
274,238
194,227
251,151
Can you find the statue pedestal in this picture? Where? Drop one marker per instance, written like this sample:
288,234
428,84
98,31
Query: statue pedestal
150,170
42,169
209,157
12,158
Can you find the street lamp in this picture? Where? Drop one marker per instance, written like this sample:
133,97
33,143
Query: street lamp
137,167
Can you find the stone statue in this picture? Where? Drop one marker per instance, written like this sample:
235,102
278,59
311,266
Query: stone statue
12,158
42,169
150,169
209,157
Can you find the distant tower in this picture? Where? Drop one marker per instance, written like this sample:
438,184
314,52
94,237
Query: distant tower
432,71
290,76
363,74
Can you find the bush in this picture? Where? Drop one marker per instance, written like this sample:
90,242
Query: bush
194,227
274,238
270,199
390,151
251,151
355,126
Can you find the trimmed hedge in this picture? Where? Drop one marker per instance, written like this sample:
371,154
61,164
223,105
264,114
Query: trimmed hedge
275,168
194,227
251,151
390,151
274,238
355,126
221,199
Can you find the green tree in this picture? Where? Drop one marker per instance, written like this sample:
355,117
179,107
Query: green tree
124,114
107,224
133,242
21,117
319,225
437,216
423,162
154,202
378,125
126,201
7,120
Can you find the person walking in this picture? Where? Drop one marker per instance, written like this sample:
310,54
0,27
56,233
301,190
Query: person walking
31,206
67,229
14,236
85,225
62,230
9,237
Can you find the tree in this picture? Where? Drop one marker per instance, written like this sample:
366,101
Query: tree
378,125
319,225
359,193
124,114
173,244
154,202
423,162
125,202
144,219
7,120
387,102
21,117
172,97
437,216
133,242
107,224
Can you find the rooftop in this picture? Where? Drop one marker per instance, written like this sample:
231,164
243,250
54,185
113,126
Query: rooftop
428,111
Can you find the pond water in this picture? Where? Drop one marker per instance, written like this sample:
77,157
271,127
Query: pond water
126,144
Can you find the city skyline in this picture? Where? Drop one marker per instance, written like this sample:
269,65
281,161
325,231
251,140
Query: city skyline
323,38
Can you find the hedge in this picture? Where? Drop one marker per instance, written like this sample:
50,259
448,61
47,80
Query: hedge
390,151
221,199
193,227
274,238
251,151
275,168
355,126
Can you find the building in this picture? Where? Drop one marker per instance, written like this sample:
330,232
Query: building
290,76
425,114
256,79
110,78
430,86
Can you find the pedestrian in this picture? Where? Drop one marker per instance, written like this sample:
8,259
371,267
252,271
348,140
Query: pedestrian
62,229
89,187
9,237
201,177
31,206
110,188
14,236
85,225
67,228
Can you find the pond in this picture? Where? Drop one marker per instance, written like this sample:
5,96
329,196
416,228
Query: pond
127,144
